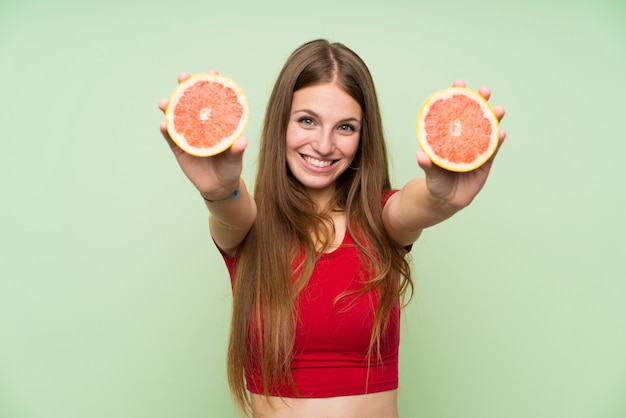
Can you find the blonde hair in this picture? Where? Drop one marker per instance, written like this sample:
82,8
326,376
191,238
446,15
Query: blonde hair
278,255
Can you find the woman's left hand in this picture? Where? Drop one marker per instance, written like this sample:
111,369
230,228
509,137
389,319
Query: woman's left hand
457,190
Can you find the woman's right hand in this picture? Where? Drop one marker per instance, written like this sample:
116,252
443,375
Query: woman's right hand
215,177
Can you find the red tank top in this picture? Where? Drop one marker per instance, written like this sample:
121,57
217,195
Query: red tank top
333,335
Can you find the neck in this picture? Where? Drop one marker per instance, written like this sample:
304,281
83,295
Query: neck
322,198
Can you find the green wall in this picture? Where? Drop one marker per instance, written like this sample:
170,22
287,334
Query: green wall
113,300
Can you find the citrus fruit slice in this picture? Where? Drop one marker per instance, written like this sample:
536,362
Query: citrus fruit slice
206,113
457,129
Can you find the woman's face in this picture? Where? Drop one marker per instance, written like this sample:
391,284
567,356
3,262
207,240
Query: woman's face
323,136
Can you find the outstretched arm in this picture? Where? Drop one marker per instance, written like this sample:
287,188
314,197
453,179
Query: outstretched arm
217,178
424,202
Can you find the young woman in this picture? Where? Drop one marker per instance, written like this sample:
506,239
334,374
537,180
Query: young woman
317,256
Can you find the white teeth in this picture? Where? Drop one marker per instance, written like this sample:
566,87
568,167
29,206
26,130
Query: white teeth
317,163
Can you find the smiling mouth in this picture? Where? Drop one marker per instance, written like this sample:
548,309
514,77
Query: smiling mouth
318,163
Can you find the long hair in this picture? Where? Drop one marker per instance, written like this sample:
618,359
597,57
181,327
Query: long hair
278,256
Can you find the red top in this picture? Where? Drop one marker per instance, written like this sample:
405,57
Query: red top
333,335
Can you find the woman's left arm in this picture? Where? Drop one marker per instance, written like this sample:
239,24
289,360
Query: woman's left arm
424,202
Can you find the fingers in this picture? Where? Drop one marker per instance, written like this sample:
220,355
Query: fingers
485,92
239,146
164,101
165,134
423,161
168,138
499,111
163,104
183,76
234,154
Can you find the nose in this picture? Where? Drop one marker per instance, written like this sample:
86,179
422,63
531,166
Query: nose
324,144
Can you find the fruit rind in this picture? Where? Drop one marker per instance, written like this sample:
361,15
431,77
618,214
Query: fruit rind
487,111
225,143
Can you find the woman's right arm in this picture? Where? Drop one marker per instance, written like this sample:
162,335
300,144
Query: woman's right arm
217,178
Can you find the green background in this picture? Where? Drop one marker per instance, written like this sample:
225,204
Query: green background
113,300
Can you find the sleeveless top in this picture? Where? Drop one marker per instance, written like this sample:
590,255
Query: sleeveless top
333,331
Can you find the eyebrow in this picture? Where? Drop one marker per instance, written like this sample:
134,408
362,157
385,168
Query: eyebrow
314,114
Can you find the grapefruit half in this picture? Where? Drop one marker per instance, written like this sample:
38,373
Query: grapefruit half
206,113
457,129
